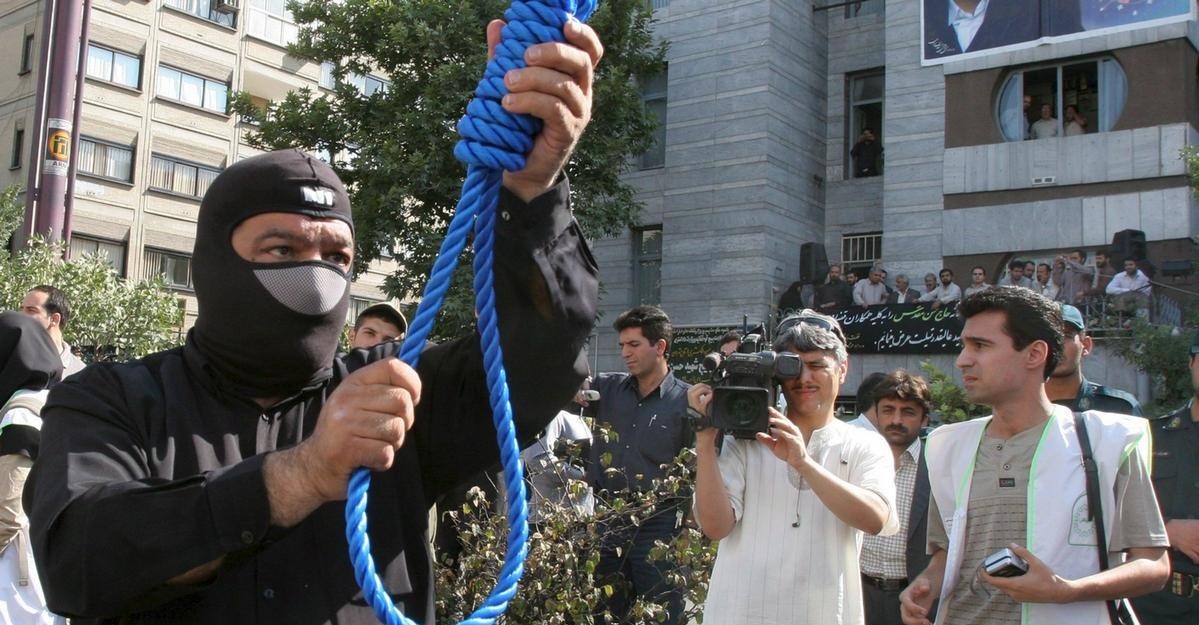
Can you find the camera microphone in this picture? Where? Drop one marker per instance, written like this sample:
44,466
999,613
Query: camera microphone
795,524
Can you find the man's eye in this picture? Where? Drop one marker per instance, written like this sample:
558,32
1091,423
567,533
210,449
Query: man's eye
280,251
339,259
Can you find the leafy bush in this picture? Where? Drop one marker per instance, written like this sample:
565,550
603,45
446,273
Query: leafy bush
950,404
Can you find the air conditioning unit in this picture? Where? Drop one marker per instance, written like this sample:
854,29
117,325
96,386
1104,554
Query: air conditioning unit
225,6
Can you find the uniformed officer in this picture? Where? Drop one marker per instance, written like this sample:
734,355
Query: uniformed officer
1068,387
1176,480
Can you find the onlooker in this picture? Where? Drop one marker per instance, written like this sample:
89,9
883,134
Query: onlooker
1044,284
851,278
1045,127
1030,270
1067,385
729,343
903,402
49,305
946,294
1016,275
647,410
555,483
1130,289
1076,124
871,291
1072,277
986,474
1104,272
791,506
978,282
834,294
377,323
792,298
29,363
902,294
866,154
1175,465
930,285
867,419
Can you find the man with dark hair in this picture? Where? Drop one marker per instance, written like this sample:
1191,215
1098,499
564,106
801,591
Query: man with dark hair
866,401
866,154
647,410
903,402
1043,285
1016,275
946,294
1104,272
1175,465
834,294
216,472
377,323
790,507
902,293
49,305
729,343
978,281
1072,277
1068,387
1015,480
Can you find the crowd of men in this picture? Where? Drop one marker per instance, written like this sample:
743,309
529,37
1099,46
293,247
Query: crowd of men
1070,279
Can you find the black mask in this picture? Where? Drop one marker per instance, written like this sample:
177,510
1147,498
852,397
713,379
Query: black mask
270,329
28,358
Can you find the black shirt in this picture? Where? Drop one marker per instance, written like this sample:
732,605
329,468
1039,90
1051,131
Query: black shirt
650,431
1092,396
151,468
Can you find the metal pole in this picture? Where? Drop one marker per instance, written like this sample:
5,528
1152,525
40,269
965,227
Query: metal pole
80,81
37,136
56,155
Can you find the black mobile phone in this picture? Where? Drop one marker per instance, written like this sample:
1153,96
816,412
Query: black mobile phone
1005,563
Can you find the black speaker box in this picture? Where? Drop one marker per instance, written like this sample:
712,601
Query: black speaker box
813,263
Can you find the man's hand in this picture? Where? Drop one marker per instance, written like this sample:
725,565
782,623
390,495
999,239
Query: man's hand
785,440
1184,537
556,88
915,602
362,425
699,397
1039,585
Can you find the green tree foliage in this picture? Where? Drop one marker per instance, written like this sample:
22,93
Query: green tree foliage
558,586
1162,352
118,318
950,404
401,172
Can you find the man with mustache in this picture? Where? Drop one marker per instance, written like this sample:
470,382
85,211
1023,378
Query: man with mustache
902,402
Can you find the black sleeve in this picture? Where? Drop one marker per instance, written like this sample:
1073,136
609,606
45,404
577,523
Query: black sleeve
546,288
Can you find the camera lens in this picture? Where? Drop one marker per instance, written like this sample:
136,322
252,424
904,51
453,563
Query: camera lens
743,410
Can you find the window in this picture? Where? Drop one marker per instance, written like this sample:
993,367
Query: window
1069,99
113,66
106,160
327,81
173,176
190,89
26,54
203,9
112,253
647,263
271,21
860,251
18,147
864,7
653,100
357,305
174,267
864,111
366,85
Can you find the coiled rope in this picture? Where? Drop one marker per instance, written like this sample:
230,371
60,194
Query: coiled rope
493,140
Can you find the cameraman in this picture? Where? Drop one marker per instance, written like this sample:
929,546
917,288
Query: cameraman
790,507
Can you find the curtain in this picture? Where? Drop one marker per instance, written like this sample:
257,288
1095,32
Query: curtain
1113,91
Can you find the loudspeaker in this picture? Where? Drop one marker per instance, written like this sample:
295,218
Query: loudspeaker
813,263
1127,244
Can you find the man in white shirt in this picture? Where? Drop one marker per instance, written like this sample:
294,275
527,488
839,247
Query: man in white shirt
978,282
871,291
1044,285
1130,289
866,419
1015,480
49,305
946,294
790,506
1045,127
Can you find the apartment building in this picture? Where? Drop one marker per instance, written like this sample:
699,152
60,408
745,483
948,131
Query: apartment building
155,128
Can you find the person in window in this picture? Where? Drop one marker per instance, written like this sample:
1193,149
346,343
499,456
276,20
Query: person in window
1076,124
866,154
1045,127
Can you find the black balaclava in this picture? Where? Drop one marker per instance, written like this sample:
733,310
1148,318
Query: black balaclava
270,329
28,358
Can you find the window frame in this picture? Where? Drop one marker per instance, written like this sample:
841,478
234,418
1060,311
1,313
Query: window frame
203,90
851,122
640,260
27,52
178,161
109,80
653,94
174,5
124,247
17,159
854,9
869,239
1059,93
287,19
132,149
176,255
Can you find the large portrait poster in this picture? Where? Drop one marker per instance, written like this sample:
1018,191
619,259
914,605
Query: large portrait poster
955,29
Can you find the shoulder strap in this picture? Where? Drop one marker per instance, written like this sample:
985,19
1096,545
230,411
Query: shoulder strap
1094,505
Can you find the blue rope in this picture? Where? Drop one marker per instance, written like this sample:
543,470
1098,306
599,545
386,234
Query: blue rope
493,140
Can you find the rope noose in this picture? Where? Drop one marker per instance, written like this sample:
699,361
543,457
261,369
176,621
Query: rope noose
493,141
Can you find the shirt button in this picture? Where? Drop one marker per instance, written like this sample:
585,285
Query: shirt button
999,448
1007,467
269,593
247,537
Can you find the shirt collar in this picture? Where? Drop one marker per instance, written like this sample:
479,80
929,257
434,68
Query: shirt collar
913,450
957,15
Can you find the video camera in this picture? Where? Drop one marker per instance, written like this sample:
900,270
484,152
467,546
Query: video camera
744,386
